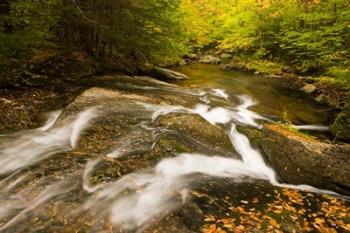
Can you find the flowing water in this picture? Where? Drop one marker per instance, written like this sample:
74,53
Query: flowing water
276,99
138,158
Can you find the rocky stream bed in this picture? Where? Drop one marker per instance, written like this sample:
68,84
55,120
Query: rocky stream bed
134,154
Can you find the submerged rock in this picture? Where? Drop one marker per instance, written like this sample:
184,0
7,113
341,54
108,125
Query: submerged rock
300,159
232,66
226,56
309,88
209,59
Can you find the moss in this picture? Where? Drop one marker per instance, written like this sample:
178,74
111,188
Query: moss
295,131
289,131
104,173
172,145
267,67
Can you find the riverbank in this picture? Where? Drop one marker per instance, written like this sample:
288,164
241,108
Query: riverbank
331,88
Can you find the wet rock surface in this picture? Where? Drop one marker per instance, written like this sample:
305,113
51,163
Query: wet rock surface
136,126
300,159
194,128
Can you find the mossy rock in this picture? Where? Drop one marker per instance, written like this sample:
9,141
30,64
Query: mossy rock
212,138
341,126
300,159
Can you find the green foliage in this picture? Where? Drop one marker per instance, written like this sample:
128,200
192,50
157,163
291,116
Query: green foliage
318,41
25,26
135,30
309,35
143,30
338,76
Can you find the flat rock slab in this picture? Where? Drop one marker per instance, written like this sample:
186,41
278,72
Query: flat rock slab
300,159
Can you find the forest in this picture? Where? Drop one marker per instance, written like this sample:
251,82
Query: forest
184,116
310,36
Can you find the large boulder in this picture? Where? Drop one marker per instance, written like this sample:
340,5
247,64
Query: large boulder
300,159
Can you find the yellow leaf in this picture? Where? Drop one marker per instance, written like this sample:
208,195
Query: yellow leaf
210,229
319,221
274,223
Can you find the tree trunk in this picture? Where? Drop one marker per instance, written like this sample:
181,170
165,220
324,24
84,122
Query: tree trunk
5,8
260,32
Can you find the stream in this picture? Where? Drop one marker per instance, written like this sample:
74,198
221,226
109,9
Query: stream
139,155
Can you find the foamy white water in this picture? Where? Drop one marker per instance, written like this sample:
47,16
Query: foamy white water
159,110
250,156
246,116
51,120
213,115
216,115
31,146
89,169
220,93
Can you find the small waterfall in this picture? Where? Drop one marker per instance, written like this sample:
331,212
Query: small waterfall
51,120
251,157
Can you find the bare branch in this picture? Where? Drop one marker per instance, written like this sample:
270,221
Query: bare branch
82,13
